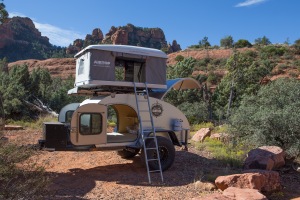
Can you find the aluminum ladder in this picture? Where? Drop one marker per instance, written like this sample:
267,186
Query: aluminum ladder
145,133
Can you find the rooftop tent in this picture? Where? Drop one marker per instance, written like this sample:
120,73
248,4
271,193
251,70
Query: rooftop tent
176,84
120,65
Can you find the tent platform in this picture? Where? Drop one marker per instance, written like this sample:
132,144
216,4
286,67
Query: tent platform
109,87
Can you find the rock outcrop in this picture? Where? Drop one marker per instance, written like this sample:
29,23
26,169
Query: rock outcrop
126,35
136,36
233,193
201,135
19,39
238,193
174,47
265,157
262,180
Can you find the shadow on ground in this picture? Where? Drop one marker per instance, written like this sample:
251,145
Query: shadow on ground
187,168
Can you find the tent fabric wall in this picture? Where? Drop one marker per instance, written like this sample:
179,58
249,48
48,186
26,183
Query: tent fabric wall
95,65
102,65
156,70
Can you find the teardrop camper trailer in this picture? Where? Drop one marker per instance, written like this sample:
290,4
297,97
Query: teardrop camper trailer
128,84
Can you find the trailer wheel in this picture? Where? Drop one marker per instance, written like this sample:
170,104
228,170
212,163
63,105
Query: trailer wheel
127,154
166,151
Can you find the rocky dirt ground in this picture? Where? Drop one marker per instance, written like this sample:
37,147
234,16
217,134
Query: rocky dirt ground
104,175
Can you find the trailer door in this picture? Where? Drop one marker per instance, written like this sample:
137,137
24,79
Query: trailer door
88,125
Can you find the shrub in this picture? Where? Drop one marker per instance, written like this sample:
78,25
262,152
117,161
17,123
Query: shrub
262,41
196,112
227,42
242,43
179,58
20,178
296,46
297,63
282,67
271,117
212,78
274,50
293,74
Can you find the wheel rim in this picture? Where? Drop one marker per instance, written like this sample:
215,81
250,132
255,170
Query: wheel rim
163,152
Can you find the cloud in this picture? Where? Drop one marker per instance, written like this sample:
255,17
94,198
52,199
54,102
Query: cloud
57,36
249,3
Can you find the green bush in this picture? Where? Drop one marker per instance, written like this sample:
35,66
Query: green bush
20,178
282,67
212,78
271,50
196,112
179,58
242,43
227,42
271,117
297,63
293,74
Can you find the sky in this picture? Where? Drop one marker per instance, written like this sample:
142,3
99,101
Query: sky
187,22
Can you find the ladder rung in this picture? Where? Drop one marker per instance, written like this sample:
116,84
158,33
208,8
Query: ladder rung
154,159
151,171
145,131
149,137
143,100
151,149
144,111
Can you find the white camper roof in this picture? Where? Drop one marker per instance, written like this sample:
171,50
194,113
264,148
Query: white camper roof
126,49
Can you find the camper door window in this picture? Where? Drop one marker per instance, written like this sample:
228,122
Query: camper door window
90,124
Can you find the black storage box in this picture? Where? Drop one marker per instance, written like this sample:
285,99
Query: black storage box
55,135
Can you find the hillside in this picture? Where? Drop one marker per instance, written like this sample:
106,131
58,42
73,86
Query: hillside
65,67
58,67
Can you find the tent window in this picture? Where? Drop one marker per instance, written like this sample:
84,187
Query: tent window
130,70
81,66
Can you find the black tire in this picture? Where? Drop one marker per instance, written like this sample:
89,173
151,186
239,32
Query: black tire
126,154
166,151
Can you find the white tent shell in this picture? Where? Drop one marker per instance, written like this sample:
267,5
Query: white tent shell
96,67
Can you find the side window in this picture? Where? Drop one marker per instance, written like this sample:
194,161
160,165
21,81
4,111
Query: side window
69,116
80,66
90,124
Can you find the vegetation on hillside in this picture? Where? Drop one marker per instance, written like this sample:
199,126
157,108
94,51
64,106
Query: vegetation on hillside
3,13
24,93
258,114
